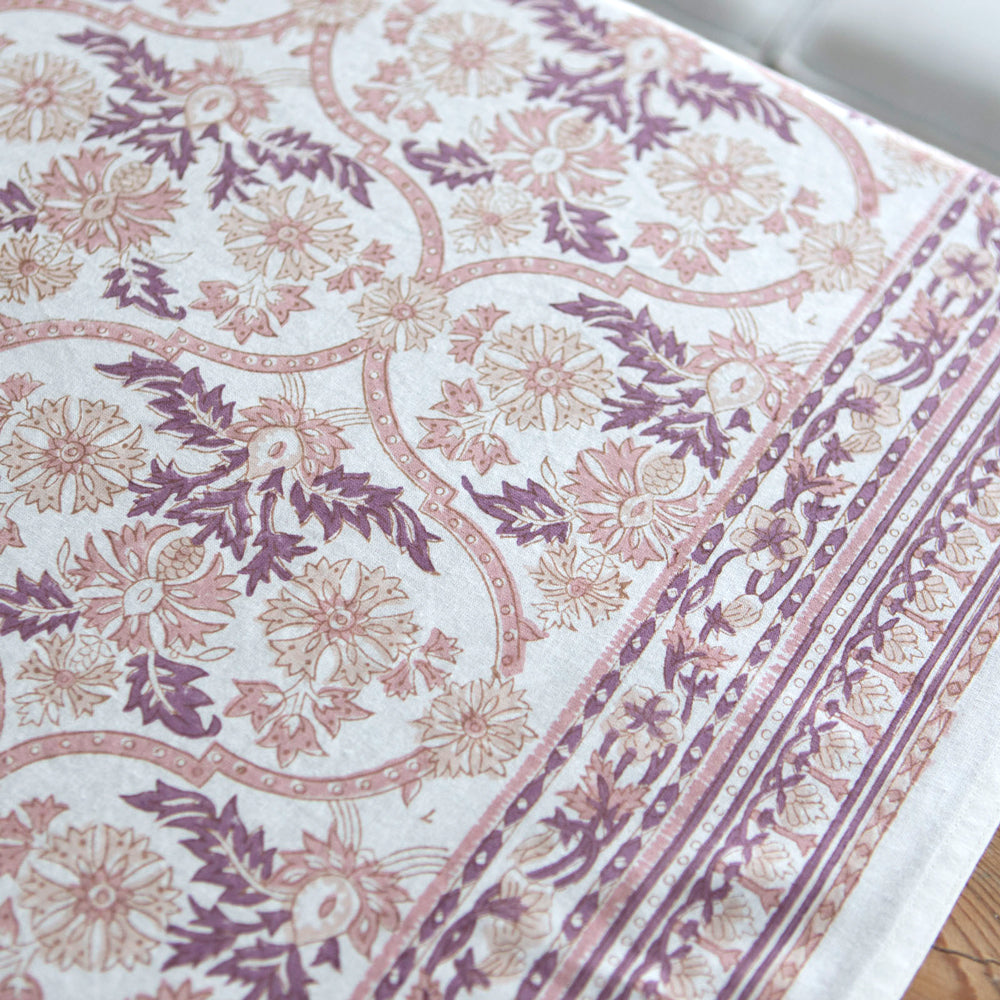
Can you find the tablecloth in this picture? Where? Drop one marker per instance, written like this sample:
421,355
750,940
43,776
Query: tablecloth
497,500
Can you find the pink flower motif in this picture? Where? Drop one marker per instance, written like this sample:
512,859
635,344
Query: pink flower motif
250,315
771,541
155,588
626,508
648,46
279,434
556,154
95,206
217,91
44,97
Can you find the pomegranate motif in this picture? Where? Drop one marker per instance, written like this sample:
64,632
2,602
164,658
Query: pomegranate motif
324,908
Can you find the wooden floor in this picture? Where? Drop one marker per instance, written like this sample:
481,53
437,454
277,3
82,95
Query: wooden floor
964,963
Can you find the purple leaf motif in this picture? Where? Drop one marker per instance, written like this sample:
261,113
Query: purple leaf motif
140,283
666,416
193,412
30,606
576,228
451,165
525,513
709,91
230,178
582,30
17,210
136,69
163,691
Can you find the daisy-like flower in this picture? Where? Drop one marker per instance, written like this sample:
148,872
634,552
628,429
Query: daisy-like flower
965,271
577,582
99,898
44,97
490,215
216,92
475,728
96,204
544,377
556,154
914,164
771,541
471,54
717,180
302,241
646,721
842,255
281,435
348,618
32,266
626,504
402,313
874,404
65,448
70,673
155,588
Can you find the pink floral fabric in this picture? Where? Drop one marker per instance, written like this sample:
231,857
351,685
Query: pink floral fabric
495,501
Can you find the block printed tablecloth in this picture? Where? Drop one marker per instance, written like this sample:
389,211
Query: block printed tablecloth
497,500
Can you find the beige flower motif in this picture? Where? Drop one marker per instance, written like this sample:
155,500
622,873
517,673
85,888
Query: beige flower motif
507,938
475,728
544,377
646,721
44,97
66,672
931,594
72,448
965,271
101,203
490,215
577,582
648,46
874,404
302,241
901,644
31,266
842,255
771,541
343,615
471,54
914,164
183,992
220,92
99,898
402,309
717,180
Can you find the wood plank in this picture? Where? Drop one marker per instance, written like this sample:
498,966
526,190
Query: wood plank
964,963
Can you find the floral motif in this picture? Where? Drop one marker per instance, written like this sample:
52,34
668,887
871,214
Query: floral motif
216,91
556,154
475,728
155,588
468,53
72,448
281,435
646,722
874,404
99,898
770,540
402,313
344,616
842,255
312,14
576,583
507,936
965,271
100,204
625,502
301,241
70,673
33,266
699,180
544,377
43,96
491,215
